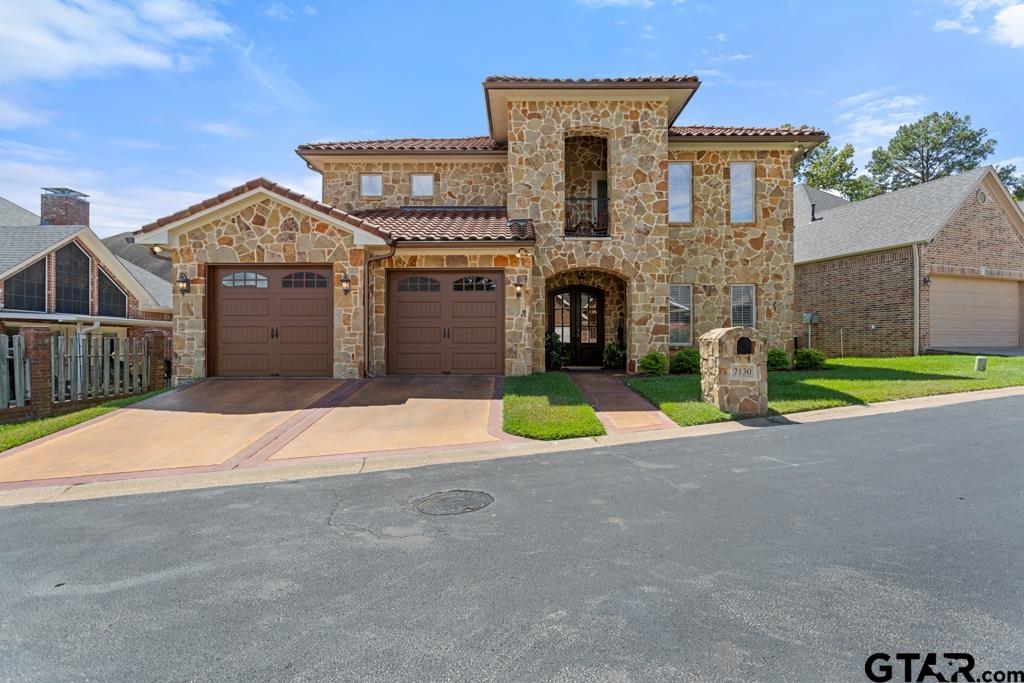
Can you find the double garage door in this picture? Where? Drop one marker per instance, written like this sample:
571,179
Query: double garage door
974,312
445,322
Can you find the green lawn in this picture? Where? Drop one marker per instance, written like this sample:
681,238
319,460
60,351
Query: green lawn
547,406
846,381
12,435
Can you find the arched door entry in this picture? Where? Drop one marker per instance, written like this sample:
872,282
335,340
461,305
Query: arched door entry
576,316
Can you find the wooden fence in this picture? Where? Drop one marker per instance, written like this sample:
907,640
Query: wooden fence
15,385
91,366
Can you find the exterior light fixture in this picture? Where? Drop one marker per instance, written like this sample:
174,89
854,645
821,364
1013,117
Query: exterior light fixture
157,249
520,284
346,284
184,284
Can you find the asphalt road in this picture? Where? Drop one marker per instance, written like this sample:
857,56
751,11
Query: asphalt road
784,553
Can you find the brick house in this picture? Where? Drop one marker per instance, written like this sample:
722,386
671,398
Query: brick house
56,273
584,213
939,266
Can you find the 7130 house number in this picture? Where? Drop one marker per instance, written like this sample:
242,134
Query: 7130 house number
743,372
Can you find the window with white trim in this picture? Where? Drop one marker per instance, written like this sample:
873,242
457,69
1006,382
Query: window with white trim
422,184
744,306
741,192
680,192
371,185
680,315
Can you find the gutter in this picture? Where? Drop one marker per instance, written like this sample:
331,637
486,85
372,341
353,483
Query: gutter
917,300
72,319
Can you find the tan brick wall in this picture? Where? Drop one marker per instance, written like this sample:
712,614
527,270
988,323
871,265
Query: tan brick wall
855,293
265,232
456,183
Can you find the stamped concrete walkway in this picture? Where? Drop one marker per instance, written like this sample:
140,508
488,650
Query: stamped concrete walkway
618,407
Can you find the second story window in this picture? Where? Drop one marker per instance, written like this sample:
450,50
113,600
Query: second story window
422,184
110,299
741,192
371,185
743,307
72,265
26,289
680,192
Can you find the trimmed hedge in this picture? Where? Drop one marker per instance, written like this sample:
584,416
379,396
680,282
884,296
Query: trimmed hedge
778,360
808,359
653,364
685,362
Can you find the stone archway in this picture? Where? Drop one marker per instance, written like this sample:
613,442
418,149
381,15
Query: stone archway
606,290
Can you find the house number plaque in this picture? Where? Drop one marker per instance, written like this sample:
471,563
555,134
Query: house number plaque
743,372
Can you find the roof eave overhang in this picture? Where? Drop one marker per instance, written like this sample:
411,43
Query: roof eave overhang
161,235
496,96
70,319
740,139
314,157
863,252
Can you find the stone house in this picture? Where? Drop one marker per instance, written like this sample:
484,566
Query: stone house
938,266
585,213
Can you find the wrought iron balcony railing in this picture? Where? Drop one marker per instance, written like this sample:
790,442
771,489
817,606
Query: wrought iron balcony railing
586,217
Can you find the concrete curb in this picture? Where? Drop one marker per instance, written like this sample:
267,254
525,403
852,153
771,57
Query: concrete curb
394,461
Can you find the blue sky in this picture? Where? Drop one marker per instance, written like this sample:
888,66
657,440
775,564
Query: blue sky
150,106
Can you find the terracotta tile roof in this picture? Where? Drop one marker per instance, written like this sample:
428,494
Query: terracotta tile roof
471,144
591,81
270,186
741,132
455,223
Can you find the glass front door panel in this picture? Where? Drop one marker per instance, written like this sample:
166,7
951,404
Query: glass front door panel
588,318
563,317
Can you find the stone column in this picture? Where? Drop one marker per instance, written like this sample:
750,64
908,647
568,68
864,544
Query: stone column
734,370
38,349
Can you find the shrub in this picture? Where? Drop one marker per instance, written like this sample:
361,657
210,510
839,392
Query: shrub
778,360
808,359
685,362
654,364
614,356
558,352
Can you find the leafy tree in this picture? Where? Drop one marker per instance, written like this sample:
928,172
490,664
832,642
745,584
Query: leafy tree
934,147
1014,183
828,167
861,187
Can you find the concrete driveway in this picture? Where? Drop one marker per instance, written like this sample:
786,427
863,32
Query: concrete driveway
225,424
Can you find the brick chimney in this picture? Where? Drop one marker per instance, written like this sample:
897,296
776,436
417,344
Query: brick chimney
64,206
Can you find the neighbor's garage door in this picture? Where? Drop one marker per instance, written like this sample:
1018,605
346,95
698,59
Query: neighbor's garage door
270,322
974,312
442,322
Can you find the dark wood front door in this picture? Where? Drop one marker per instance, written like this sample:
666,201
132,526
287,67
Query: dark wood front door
445,322
576,316
272,321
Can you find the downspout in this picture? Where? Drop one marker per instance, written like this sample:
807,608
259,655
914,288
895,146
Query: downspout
917,301
367,337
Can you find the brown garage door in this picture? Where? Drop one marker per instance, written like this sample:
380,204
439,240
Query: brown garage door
270,321
442,322
974,312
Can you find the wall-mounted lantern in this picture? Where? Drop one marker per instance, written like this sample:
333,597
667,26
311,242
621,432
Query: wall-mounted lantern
346,284
520,285
184,284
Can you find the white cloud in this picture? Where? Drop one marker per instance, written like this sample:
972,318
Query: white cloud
954,25
276,10
224,129
642,4
1009,26
48,39
735,57
720,37
871,119
309,10
14,115
1012,161
648,32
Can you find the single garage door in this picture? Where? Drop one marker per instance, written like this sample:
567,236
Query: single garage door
445,322
272,321
974,312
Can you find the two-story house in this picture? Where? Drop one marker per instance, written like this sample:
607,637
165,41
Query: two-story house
585,213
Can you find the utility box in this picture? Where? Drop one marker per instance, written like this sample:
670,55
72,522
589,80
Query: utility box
734,370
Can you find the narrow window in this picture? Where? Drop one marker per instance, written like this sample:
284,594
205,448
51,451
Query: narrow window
680,192
304,280
743,306
371,185
741,191
112,300
244,280
422,184
72,266
26,289
419,283
680,315
474,283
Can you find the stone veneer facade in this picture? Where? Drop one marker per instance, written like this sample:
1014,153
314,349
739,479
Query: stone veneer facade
456,183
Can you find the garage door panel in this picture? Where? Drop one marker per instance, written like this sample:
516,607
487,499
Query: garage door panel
292,307
418,309
405,334
474,335
418,362
305,334
474,362
305,364
255,363
244,307
974,312
474,309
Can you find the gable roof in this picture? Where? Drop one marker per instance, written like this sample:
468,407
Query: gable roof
744,133
12,214
138,254
159,288
451,223
23,244
804,195
908,216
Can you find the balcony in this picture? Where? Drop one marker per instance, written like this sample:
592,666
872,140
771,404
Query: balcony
586,217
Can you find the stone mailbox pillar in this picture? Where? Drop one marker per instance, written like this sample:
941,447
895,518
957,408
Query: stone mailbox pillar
734,370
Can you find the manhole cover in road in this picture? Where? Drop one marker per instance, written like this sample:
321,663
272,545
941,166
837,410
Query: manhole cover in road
453,502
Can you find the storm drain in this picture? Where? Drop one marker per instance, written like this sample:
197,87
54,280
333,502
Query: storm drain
453,502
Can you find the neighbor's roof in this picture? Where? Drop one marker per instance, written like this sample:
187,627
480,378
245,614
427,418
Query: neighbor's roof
908,216
139,254
12,214
453,223
21,243
629,80
158,287
804,195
